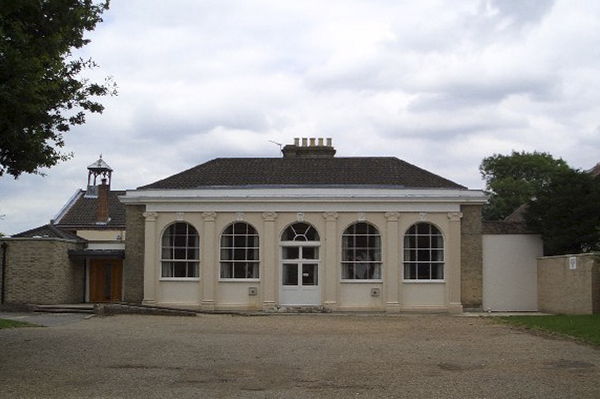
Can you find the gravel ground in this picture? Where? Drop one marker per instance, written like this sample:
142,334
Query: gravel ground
292,356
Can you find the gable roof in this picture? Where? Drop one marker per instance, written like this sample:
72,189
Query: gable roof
47,231
363,171
81,212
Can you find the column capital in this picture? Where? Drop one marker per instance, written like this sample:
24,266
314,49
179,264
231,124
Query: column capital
455,216
392,216
269,216
209,216
150,216
330,216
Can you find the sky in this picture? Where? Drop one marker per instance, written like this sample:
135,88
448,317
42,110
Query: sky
439,84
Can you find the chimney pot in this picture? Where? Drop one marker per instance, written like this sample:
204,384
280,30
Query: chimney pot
320,141
329,144
296,141
312,141
304,142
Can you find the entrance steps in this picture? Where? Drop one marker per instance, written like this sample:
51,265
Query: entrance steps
72,308
298,309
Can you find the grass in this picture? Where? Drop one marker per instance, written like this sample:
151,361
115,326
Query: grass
5,323
584,328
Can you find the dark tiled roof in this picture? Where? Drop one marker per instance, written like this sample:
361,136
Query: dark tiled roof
367,171
48,231
82,212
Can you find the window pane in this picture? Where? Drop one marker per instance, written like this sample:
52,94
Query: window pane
375,271
179,269
410,271
424,271
291,253
290,274
437,271
347,271
310,253
226,270
167,270
310,275
192,269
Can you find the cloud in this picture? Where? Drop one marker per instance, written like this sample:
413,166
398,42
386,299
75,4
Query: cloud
441,86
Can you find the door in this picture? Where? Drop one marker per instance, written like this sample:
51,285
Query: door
300,279
106,280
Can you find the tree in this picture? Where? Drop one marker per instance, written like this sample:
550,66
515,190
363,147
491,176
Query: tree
566,212
41,91
512,180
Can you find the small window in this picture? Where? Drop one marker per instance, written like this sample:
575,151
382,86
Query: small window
423,253
239,252
361,253
180,251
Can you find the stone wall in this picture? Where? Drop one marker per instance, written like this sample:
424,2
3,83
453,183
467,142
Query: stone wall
133,270
471,257
39,271
569,284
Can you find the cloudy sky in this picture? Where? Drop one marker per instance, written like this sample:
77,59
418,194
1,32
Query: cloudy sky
439,84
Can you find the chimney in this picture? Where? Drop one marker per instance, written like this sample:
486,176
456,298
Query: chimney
310,148
102,216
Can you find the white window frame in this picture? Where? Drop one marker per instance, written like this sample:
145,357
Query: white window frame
234,250
353,262
186,248
427,256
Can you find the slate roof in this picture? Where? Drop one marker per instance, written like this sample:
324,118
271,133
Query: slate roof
352,172
48,231
81,213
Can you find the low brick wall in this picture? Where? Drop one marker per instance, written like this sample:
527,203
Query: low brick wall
471,257
569,284
133,271
39,271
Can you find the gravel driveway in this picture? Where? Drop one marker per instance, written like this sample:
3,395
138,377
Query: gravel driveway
292,356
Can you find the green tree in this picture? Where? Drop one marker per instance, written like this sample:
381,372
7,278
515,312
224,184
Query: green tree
566,212
512,180
42,93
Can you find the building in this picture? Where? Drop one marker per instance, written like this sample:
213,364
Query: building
77,257
306,229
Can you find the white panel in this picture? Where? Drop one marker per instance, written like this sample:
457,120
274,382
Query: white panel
510,272
358,296
179,292
424,294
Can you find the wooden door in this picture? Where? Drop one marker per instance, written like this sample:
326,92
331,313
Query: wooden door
106,280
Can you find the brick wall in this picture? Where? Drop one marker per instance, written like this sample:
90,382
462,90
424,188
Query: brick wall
471,257
562,289
133,270
39,271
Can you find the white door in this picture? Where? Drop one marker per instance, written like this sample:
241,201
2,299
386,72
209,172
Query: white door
300,277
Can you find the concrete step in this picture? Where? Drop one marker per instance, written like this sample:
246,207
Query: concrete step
75,308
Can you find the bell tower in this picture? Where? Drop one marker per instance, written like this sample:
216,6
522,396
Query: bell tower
100,192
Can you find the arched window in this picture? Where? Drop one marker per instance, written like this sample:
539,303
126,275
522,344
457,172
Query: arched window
423,253
300,232
239,252
361,252
180,252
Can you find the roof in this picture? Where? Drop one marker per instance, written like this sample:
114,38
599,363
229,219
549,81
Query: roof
595,171
81,212
363,171
48,231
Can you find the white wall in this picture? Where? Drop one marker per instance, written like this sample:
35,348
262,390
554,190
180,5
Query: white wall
510,272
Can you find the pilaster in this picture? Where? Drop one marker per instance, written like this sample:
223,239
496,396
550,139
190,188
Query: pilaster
392,265
330,268
269,260
151,263
210,262
453,260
